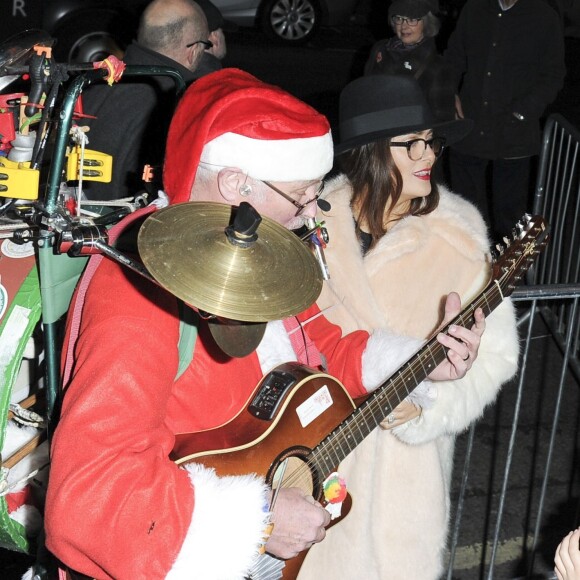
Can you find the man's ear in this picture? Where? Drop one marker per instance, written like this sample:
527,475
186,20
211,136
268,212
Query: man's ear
188,57
193,56
230,181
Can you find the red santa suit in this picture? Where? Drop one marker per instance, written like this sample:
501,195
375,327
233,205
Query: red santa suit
118,506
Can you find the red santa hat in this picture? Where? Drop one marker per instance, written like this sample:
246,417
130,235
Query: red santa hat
231,119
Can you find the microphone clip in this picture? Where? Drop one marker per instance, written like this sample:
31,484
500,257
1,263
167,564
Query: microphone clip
317,237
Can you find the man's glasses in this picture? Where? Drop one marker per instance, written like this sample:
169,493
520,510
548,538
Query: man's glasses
207,43
416,147
398,20
301,206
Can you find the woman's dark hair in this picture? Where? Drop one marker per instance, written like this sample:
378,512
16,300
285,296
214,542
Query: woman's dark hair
377,186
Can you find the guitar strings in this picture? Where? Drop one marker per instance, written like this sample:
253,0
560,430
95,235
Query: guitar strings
487,301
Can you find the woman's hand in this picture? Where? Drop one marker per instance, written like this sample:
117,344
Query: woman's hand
403,412
462,343
567,557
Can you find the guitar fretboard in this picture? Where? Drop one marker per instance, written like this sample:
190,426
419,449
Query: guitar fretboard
350,433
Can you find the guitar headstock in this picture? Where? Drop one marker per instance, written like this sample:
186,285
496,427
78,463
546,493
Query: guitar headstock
513,258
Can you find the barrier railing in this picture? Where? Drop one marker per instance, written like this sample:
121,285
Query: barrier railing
517,493
557,198
513,505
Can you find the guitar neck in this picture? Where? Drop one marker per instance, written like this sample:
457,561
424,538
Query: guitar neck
351,432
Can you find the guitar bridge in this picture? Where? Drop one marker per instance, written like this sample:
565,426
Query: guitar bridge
271,393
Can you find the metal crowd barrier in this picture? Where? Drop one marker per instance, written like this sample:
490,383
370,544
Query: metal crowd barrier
557,198
515,488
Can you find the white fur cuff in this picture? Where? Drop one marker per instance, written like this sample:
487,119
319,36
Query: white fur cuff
226,529
424,395
384,354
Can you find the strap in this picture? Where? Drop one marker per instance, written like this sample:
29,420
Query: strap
306,351
76,309
188,321
188,318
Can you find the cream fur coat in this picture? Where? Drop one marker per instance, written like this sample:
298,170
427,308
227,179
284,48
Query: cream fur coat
399,480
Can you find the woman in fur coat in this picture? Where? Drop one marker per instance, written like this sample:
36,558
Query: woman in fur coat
398,246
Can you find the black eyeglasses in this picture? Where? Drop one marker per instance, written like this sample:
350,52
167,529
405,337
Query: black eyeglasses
207,43
416,147
301,206
398,20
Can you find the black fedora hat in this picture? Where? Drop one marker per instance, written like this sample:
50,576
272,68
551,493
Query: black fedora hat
377,107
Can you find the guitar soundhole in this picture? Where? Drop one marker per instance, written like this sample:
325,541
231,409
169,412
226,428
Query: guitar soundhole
292,468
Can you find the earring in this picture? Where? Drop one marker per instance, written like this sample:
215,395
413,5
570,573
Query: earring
245,190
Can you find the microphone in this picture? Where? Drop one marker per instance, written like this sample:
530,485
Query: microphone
323,204
316,245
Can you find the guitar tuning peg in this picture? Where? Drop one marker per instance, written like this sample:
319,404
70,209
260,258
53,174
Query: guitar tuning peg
499,249
507,241
517,232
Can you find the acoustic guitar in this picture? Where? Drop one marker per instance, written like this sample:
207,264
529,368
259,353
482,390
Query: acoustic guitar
299,424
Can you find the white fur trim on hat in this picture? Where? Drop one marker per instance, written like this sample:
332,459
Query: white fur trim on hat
227,526
269,159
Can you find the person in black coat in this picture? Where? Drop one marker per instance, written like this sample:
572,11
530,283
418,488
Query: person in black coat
213,56
132,116
507,59
412,51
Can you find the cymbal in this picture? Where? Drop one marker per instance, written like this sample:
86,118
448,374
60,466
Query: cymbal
237,339
264,273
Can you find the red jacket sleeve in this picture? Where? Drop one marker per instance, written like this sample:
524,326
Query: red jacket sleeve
343,354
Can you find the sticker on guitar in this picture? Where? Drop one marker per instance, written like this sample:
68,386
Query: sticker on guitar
314,406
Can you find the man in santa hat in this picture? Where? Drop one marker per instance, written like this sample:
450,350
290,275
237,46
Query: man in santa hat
118,506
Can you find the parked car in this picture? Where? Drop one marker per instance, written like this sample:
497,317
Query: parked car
292,21
91,29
